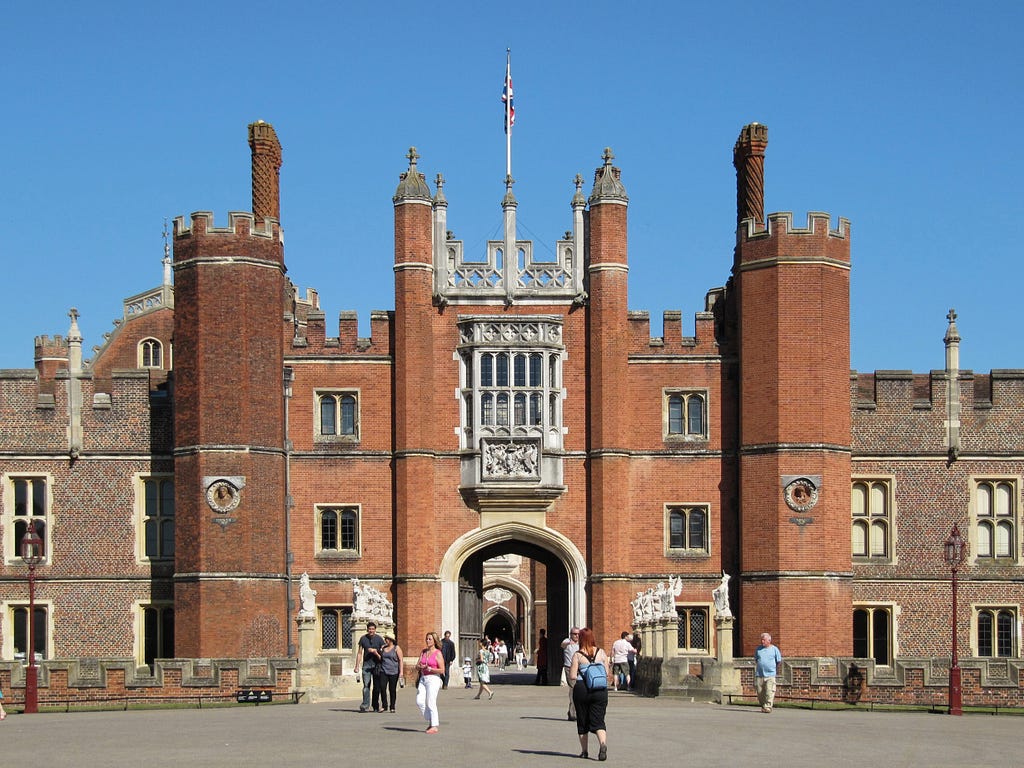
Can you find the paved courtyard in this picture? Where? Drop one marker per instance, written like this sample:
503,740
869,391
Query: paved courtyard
523,726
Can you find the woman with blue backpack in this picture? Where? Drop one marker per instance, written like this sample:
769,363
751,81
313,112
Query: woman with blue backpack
588,676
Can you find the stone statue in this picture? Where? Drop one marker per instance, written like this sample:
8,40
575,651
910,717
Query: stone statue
647,604
666,605
720,594
307,598
668,597
638,608
371,604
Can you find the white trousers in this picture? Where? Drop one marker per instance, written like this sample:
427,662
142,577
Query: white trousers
426,698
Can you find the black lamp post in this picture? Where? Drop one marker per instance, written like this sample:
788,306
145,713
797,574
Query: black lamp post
32,554
955,552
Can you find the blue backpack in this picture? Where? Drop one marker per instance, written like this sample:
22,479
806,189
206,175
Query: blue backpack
594,675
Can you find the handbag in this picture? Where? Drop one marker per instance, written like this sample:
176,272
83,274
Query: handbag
401,682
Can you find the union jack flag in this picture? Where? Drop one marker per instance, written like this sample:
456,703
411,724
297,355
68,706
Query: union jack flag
506,97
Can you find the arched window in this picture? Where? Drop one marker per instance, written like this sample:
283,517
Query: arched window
158,517
997,632
695,415
339,529
685,415
692,628
348,414
996,519
339,414
151,354
328,415
519,410
688,529
872,634
871,518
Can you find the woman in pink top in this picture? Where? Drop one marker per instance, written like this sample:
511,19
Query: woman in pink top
431,668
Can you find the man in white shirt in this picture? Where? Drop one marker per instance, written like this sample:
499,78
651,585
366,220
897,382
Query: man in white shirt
621,649
570,645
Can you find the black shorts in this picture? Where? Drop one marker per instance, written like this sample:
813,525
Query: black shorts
590,708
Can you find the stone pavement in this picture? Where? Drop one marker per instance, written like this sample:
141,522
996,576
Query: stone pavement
524,725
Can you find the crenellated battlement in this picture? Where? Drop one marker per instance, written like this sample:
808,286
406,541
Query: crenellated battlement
51,346
906,413
906,391
672,341
240,224
315,341
780,226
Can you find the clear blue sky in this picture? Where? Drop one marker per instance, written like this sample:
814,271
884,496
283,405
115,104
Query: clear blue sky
904,117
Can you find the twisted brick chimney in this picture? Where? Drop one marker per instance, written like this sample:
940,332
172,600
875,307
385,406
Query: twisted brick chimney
266,171
748,158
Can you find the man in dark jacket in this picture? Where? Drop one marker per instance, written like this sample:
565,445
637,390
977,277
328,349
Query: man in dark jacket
448,653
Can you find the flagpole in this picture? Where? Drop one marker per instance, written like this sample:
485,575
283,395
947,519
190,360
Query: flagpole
508,113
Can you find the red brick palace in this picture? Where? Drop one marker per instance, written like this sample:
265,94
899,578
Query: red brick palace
509,424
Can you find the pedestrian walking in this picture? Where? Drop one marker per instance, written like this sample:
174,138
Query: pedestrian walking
431,668
589,693
449,654
766,662
570,645
483,672
391,668
368,664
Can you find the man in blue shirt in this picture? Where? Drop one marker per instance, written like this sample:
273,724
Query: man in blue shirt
766,661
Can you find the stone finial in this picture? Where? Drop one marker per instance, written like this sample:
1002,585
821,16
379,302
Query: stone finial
266,171
439,198
748,159
166,261
578,198
607,183
510,198
74,334
412,184
952,332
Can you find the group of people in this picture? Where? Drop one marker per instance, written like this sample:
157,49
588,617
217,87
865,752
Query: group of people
380,663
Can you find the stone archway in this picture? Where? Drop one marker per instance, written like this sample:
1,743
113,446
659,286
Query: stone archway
565,566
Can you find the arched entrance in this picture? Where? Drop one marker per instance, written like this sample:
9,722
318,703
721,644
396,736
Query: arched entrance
561,572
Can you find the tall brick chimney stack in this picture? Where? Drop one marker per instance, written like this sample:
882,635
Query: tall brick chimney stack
266,171
748,158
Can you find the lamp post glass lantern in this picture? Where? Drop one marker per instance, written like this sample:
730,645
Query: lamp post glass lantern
954,552
32,555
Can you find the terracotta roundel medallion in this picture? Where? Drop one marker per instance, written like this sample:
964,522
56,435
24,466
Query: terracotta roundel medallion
801,495
222,496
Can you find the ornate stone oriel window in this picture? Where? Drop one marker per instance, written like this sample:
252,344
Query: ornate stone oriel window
511,397
511,388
